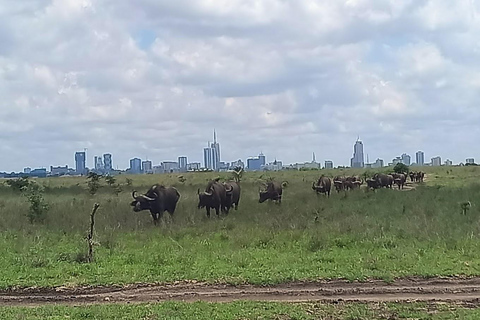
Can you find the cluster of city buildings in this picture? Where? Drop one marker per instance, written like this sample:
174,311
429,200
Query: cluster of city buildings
212,162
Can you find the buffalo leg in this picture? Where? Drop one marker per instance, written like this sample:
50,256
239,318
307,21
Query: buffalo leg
208,212
217,211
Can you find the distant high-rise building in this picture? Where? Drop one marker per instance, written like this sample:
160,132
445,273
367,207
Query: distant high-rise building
80,163
207,158
27,170
420,157
448,162
256,163
147,166
379,163
237,164
98,162
470,161
182,163
436,162
406,159
215,152
358,159
211,154
328,164
194,166
170,166
135,166
107,162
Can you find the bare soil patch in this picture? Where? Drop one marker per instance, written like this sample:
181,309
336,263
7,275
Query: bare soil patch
452,290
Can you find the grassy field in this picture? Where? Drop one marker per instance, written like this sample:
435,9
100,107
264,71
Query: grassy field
383,234
245,310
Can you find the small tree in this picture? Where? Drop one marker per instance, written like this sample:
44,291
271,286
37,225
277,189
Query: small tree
401,168
110,180
237,174
38,207
93,183
18,184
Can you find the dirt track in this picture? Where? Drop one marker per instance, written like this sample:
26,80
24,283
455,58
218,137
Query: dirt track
432,290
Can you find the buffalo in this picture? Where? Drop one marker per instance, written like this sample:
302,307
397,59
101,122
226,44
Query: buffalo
339,183
273,192
323,185
158,199
353,182
232,190
384,180
372,184
399,179
214,197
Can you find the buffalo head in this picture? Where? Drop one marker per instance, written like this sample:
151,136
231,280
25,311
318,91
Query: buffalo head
204,198
141,202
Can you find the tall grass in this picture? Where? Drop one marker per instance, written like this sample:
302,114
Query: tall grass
358,234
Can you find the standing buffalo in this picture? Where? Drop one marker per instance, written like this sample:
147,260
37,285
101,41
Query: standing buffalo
273,192
372,184
412,176
353,182
399,179
339,183
214,197
232,190
324,185
158,200
383,180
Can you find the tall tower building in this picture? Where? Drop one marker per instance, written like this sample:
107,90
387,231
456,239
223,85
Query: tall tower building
207,158
135,166
358,159
80,163
107,162
420,158
215,152
182,163
406,159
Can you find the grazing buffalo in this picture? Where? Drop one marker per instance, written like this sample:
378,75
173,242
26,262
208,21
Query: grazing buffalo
419,176
158,200
324,185
214,197
353,182
273,192
232,190
384,180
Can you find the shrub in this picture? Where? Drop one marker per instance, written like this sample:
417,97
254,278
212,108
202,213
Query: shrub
38,207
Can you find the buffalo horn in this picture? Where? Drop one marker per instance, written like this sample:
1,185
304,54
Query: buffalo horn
134,194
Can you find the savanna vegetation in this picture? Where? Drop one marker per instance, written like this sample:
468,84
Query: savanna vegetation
354,235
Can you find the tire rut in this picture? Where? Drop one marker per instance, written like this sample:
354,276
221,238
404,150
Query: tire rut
452,290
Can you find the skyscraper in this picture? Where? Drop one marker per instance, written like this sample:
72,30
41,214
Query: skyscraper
207,158
436,161
358,159
420,158
215,151
98,162
80,163
182,163
406,159
328,164
211,154
135,165
147,166
107,162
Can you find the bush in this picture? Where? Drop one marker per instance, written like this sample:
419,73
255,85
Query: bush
38,207
401,168
18,184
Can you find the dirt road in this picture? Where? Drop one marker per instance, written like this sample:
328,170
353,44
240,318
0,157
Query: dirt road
412,289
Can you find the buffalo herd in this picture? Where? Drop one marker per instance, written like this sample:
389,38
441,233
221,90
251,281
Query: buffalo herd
223,196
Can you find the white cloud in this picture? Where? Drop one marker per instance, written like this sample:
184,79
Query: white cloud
153,78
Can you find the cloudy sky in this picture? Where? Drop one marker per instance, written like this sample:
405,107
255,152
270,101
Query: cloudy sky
152,78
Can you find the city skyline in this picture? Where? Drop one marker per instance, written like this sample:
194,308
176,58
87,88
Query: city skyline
103,163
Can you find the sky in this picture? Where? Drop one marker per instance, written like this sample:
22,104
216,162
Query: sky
154,78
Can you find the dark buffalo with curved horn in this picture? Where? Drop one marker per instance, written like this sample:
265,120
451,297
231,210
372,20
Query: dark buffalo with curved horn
323,185
339,183
273,192
158,199
214,197
232,190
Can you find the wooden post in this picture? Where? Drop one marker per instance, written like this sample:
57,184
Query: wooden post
90,235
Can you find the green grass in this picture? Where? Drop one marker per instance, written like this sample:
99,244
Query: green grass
383,234
244,310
